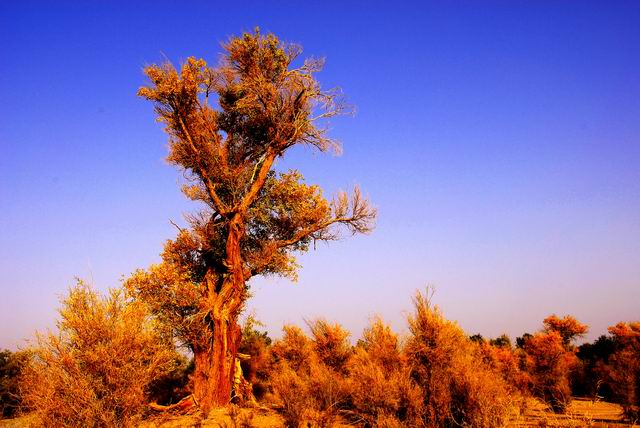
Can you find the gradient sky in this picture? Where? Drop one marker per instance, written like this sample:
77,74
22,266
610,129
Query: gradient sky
500,142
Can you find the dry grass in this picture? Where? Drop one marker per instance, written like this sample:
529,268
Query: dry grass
580,413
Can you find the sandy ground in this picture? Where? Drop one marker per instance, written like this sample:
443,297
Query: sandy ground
581,413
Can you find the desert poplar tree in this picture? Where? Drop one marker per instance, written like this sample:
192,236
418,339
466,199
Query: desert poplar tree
227,126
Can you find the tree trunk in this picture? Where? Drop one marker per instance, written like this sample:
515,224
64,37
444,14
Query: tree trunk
214,366
215,361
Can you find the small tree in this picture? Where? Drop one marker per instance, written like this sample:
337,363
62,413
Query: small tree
624,367
227,126
549,364
568,328
551,358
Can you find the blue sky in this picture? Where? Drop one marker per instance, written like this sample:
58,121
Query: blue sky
500,141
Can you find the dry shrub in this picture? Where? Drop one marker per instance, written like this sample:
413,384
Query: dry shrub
291,392
549,364
307,388
507,361
381,392
96,370
624,368
568,328
459,388
331,343
173,385
256,344
591,379
439,379
314,395
11,364
295,348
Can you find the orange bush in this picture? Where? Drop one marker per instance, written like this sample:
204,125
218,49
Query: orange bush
549,364
96,370
438,379
380,389
303,383
507,361
331,343
458,387
624,367
568,328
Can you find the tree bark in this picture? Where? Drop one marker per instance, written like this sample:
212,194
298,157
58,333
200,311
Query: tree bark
215,361
214,365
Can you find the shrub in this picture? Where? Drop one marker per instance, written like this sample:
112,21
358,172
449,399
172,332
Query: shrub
256,344
295,348
11,364
96,371
307,388
591,380
549,364
507,361
173,385
439,378
568,328
291,392
380,389
551,359
502,341
331,343
624,368
458,387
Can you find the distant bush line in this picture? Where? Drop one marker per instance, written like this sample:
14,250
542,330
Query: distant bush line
111,358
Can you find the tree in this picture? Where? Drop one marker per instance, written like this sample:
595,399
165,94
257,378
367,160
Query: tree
568,328
549,363
624,367
502,341
227,126
551,358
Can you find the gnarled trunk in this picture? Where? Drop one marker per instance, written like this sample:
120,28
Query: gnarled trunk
214,365
215,361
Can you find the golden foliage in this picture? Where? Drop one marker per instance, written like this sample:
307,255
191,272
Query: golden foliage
459,387
227,125
507,361
623,367
439,379
96,370
330,343
550,362
568,327
381,391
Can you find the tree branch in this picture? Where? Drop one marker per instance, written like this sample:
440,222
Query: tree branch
220,207
258,183
358,216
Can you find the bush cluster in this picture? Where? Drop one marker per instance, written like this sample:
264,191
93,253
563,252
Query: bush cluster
109,359
436,377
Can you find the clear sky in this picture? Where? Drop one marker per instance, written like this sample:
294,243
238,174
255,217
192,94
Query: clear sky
500,142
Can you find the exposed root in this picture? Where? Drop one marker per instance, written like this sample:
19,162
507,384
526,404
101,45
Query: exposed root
185,406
